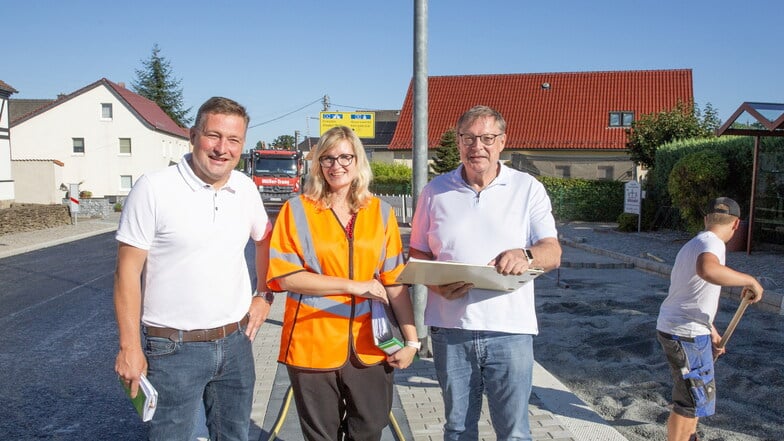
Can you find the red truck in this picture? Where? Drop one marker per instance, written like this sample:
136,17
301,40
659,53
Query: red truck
278,174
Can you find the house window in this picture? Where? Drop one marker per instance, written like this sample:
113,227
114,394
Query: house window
106,110
78,145
126,182
125,146
605,172
621,119
563,171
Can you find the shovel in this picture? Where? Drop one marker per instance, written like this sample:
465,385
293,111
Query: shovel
744,302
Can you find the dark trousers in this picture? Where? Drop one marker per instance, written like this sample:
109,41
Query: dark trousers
351,403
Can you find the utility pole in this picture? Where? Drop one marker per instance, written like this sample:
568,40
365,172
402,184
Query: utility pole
419,298
325,103
296,140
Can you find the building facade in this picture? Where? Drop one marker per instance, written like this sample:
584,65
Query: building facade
7,193
102,137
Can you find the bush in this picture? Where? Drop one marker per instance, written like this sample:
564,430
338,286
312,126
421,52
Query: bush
117,207
581,199
386,170
390,178
693,182
737,152
390,185
85,194
627,222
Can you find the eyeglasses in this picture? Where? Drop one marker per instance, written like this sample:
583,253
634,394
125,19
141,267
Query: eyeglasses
487,138
329,161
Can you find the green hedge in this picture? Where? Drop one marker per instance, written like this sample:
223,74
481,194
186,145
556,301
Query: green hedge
390,185
390,178
695,180
572,199
581,199
737,151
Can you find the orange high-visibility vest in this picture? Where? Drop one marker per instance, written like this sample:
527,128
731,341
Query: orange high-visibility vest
319,332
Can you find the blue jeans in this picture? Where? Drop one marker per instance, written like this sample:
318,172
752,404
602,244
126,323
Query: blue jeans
496,363
219,375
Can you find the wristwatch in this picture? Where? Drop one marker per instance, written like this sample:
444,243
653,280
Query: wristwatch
268,296
528,255
414,344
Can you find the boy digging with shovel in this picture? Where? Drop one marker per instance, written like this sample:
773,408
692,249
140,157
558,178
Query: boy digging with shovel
685,324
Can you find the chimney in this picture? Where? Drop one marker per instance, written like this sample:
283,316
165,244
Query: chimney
121,84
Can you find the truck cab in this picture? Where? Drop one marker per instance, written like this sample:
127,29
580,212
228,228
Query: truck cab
278,174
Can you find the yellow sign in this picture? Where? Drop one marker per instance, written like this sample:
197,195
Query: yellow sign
362,123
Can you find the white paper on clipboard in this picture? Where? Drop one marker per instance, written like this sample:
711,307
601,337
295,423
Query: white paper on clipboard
433,272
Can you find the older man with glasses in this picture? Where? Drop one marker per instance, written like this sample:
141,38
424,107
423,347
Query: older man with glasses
484,213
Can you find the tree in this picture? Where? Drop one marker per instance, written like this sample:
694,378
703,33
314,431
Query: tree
447,157
155,82
284,142
654,129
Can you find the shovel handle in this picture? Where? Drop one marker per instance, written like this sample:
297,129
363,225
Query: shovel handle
744,302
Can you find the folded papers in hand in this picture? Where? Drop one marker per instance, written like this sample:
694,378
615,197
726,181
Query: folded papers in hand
146,399
386,331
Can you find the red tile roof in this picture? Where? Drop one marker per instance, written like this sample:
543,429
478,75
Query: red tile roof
573,113
146,110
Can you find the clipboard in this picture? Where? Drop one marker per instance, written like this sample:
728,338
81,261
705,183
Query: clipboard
433,272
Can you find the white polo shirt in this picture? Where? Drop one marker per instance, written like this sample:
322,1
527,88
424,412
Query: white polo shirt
196,275
455,223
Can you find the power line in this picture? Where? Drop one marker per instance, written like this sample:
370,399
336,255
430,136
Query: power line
350,107
286,114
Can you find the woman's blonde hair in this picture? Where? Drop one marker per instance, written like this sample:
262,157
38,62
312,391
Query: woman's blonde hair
316,187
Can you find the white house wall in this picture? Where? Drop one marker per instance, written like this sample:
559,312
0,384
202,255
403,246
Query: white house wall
50,134
38,182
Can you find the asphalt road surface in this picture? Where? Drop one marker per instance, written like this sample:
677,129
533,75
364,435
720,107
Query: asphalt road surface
59,341
58,346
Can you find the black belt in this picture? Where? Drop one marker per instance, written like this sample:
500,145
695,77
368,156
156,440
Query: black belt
677,337
197,334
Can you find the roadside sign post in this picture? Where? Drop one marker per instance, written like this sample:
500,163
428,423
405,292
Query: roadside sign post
73,201
632,200
362,123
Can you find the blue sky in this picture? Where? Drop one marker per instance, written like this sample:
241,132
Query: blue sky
275,57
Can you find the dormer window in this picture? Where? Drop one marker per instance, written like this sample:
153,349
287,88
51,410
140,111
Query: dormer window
621,119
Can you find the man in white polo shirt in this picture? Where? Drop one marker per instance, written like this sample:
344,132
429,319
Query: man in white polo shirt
182,277
488,214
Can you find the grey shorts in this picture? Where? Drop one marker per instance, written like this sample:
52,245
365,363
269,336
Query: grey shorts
691,366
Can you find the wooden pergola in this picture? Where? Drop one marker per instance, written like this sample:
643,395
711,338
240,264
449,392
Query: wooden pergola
760,119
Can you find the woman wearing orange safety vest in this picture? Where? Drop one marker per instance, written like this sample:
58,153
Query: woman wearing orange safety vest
334,249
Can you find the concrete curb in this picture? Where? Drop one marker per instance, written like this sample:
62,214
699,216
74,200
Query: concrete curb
574,414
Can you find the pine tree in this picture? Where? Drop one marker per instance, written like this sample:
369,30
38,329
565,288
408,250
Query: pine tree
156,82
447,158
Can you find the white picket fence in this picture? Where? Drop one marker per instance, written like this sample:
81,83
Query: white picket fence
402,204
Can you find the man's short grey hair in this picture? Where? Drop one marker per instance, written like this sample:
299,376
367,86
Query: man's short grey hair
478,112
